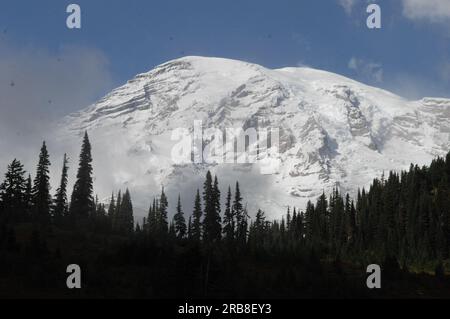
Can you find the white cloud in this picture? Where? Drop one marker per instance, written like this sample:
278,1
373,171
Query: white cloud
415,86
347,5
431,10
366,70
37,87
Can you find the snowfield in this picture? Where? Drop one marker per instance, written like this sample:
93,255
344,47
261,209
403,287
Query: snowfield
333,131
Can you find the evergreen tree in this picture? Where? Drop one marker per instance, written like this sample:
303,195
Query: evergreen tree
180,221
163,223
28,198
61,206
112,207
229,219
241,216
115,222
309,224
152,221
258,228
12,193
82,202
212,222
41,189
124,217
197,218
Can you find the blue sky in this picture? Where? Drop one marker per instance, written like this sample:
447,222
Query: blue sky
410,55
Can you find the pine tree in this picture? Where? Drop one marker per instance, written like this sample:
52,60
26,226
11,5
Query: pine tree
180,221
127,206
112,207
322,220
352,223
12,193
217,205
309,223
28,198
100,220
41,190
197,218
82,202
229,220
152,222
212,221
163,223
115,222
124,217
61,206
259,227
288,219
241,216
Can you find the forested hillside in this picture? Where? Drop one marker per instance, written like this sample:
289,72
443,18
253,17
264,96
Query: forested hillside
401,222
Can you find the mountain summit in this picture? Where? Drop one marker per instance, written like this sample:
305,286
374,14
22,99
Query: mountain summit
333,131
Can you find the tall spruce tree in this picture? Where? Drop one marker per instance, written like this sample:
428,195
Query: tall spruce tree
258,228
42,200
163,223
82,202
197,218
241,216
12,193
28,198
125,223
180,221
61,206
229,219
212,222
115,223
112,207
152,221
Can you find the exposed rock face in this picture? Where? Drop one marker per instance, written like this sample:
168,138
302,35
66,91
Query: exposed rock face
332,130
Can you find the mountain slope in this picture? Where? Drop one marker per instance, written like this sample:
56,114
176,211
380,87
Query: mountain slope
333,130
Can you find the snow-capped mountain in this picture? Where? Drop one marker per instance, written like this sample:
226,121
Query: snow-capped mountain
333,131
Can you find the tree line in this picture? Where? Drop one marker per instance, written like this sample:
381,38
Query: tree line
403,218
404,215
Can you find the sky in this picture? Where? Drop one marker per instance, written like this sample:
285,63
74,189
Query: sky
48,71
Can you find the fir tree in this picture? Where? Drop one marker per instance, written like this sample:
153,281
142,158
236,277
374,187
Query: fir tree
28,198
60,203
212,221
163,223
41,189
115,222
112,207
152,222
124,217
241,216
197,218
229,219
180,221
12,193
82,202
258,227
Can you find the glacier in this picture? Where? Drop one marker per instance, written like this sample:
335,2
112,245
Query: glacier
334,132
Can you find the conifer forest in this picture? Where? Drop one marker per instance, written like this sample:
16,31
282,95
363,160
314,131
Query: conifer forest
401,222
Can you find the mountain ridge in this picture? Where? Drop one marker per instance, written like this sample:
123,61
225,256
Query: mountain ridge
333,130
